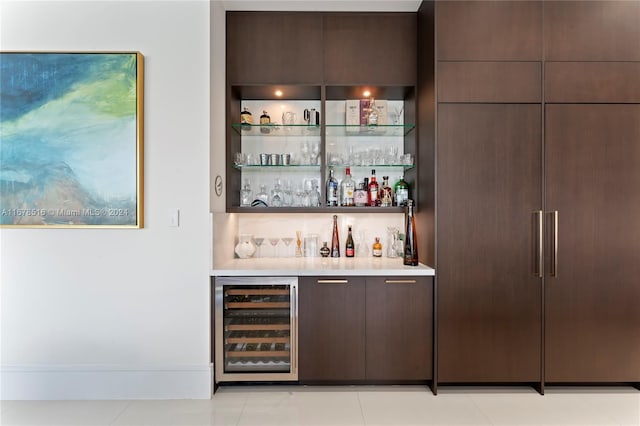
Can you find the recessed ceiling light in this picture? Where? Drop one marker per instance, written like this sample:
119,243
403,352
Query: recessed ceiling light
278,93
366,93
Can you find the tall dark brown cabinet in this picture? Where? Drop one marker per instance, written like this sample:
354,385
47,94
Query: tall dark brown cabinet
537,177
489,192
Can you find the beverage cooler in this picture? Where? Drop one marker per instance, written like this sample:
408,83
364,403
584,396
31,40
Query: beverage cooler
256,335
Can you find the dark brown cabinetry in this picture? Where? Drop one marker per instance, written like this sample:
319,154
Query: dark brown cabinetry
489,294
331,329
489,30
399,318
370,48
592,296
536,255
592,30
359,329
274,48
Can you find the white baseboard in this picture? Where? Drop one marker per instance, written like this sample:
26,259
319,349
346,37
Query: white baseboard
56,382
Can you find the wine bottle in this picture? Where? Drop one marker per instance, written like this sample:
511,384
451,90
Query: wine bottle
335,239
350,248
410,240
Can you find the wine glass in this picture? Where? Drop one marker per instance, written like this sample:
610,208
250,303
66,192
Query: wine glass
287,241
258,241
315,151
274,243
304,153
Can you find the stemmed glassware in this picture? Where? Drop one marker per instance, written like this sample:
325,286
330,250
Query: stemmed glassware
304,153
315,151
274,243
258,241
287,241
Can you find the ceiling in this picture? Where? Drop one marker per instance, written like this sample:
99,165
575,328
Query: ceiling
325,5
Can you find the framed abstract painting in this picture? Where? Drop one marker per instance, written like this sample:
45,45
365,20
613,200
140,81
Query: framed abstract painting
71,139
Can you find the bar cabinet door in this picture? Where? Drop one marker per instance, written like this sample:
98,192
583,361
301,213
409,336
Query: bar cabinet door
331,329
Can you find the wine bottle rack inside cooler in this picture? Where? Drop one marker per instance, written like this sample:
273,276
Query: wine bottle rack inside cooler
256,333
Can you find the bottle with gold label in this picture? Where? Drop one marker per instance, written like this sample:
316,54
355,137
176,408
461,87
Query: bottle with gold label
377,248
265,120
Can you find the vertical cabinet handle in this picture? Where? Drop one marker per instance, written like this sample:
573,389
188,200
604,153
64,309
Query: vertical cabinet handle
539,262
554,244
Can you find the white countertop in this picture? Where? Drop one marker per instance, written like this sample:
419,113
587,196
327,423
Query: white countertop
318,266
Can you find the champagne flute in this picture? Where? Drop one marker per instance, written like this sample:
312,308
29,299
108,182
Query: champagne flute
274,242
258,241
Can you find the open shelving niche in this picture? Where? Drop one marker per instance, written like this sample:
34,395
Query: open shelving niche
338,145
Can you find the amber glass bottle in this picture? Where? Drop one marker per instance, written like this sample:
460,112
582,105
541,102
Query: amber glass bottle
335,239
410,240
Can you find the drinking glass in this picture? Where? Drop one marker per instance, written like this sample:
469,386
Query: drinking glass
274,243
305,149
287,241
258,241
315,152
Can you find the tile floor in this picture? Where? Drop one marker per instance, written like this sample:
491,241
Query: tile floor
346,406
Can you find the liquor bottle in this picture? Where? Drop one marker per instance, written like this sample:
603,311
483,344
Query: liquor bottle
377,248
347,188
386,193
366,188
335,239
374,200
402,192
263,195
246,117
266,120
410,240
360,196
246,194
350,247
372,119
324,250
332,189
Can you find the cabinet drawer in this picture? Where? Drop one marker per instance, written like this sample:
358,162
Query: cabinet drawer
489,82
592,82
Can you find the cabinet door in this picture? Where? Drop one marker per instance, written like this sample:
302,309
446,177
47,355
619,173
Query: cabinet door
399,328
592,305
489,298
592,30
489,30
370,48
331,331
274,47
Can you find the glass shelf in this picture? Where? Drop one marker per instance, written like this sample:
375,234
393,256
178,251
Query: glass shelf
276,130
289,167
373,166
382,130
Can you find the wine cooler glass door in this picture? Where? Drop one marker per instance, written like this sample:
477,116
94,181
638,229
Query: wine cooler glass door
256,328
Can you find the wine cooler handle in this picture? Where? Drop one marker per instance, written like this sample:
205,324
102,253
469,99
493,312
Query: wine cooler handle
333,281
539,264
554,242
400,281
294,332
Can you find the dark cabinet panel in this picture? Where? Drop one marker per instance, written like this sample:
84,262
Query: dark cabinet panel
370,48
489,30
592,306
274,48
592,82
399,328
592,30
489,298
489,81
331,332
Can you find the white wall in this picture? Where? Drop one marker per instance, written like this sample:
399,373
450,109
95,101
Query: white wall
89,313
